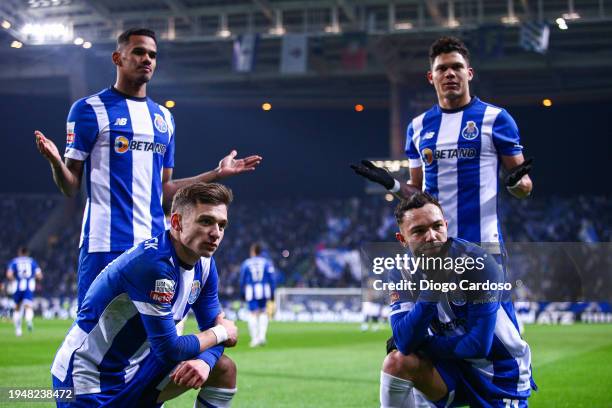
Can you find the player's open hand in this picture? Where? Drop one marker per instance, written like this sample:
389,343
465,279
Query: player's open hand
191,373
47,148
230,166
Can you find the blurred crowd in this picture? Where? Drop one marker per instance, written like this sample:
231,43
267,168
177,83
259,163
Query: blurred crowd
294,233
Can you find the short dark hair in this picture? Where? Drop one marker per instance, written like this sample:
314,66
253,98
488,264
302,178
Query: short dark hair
417,200
201,193
256,248
124,37
23,250
446,45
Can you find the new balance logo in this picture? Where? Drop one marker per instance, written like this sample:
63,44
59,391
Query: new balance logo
121,122
151,244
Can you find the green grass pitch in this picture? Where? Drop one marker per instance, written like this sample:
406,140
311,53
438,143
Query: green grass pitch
336,365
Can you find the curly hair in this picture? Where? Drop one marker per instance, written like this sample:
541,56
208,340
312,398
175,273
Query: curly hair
445,45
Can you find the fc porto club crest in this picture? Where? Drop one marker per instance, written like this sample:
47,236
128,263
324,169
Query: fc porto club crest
160,123
470,131
195,292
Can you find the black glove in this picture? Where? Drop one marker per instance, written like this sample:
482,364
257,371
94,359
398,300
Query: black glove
373,173
515,174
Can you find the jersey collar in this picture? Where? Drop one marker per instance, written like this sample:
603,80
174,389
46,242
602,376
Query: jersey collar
134,98
464,107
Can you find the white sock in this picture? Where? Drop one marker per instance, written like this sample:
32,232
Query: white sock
17,319
263,326
29,315
395,392
214,397
421,401
253,332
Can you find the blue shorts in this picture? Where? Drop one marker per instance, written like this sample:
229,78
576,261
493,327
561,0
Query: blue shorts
141,391
25,296
257,304
467,387
90,266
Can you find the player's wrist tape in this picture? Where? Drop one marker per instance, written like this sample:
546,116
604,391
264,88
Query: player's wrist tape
220,332
396,186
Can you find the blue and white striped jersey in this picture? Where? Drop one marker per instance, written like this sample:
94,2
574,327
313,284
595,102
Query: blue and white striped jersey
24,270
462,325
125,143
131,310
257,279
460,151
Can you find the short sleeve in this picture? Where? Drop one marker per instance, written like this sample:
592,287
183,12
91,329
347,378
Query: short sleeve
81,131
414,158
11,267
169,154
506,135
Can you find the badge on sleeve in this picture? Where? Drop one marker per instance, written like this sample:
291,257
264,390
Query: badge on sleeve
164,291
70,132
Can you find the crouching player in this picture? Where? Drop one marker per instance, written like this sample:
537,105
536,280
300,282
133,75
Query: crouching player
459,346
123,349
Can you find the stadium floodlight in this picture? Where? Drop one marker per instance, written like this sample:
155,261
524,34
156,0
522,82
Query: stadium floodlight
86,45
223,30
405,25
170,104
278,28
571,13
334,25
511,18
6,24
561,23
452,22
47,32
16,44
78,41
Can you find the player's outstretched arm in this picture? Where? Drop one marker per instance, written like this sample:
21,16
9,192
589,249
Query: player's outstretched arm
517,180
228,166
376,174
67,176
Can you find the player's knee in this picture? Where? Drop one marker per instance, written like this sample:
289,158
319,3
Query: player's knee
400,365
224,373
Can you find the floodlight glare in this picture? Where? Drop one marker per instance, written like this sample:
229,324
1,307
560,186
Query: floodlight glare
6,24
47,32
78,41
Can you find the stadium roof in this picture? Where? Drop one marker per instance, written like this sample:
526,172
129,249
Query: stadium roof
195,60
